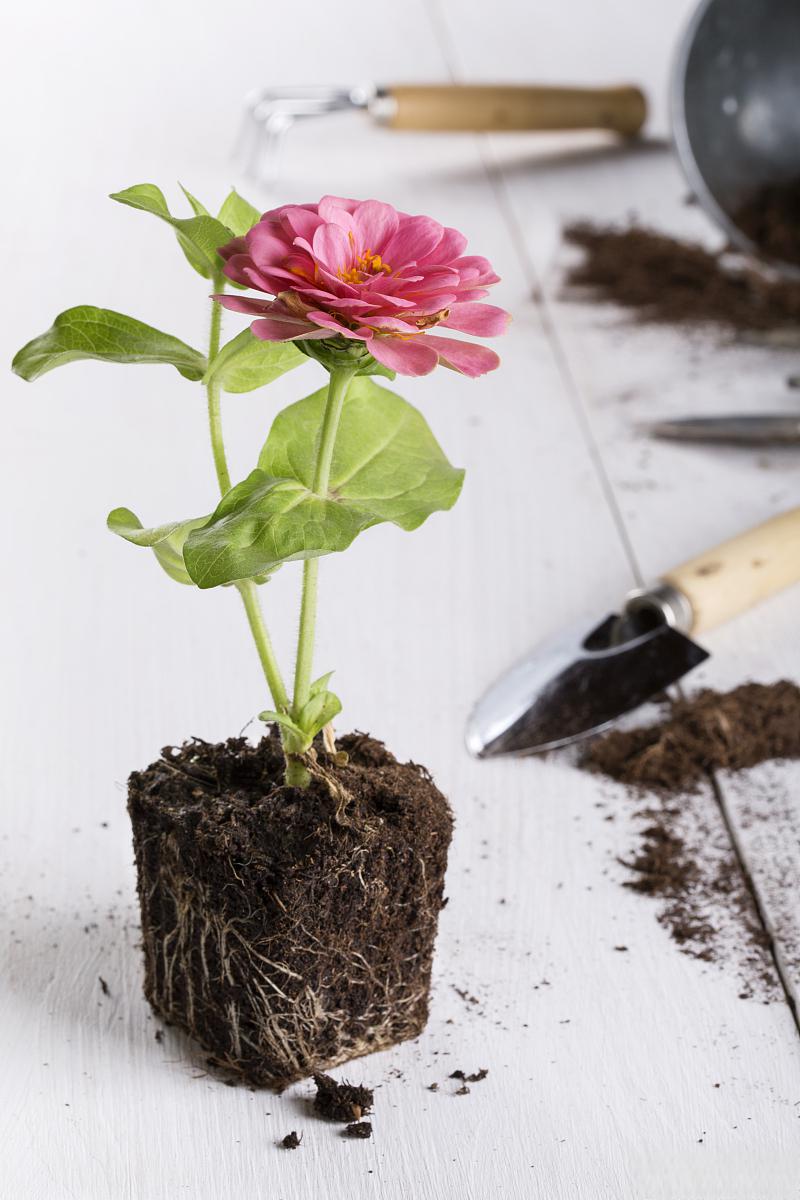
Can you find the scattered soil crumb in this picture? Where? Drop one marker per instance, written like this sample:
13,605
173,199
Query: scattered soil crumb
358,1129
159,1035
104,988
684,857
462,1091
465,995
621,948
730,730
475,1077
433,1087
341,1101
291,1141
665,281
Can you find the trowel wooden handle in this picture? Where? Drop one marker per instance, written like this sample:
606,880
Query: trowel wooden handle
733,577
487,108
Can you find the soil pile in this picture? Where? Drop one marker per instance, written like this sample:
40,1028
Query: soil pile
665,281
730,730
684,857
772,220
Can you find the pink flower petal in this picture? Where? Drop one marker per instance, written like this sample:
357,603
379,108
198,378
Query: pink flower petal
284,329
244,304
329,204
415,238
328,322
375,224
407,357
236,246
484,320
452,244
266,250
300,220
332,247
465,357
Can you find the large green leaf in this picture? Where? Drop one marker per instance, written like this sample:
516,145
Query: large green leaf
199,236
246,362
88,332
238,214
166,541
387,466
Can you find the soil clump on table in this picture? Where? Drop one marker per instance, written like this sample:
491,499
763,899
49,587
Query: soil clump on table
288,930
711,730
771,219
341,1101
684,858
666,281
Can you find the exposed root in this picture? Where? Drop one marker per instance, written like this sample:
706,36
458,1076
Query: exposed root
284,939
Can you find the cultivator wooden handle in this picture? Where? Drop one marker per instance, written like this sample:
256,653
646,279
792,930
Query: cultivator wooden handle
495,108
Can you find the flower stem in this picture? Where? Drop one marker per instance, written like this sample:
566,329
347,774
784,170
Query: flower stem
212,391
338,384
245,587
272,674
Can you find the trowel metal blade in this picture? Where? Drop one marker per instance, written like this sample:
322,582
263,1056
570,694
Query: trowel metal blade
575,685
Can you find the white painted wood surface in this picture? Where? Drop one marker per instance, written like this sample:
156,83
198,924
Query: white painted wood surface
603,1065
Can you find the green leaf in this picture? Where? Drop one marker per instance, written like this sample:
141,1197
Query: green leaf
319,710
198,208
321,684
246,362
299,741
238,214
387,466
88,332
200,236
373,367
166,541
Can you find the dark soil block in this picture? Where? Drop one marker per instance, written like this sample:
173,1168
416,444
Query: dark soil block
287,931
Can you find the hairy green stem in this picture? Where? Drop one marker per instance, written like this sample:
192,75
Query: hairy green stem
247,590
337,390
212,390
245,587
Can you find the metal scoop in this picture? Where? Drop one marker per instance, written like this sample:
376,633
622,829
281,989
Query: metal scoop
736,107
581,681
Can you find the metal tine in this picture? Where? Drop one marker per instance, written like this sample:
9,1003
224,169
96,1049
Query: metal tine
271,112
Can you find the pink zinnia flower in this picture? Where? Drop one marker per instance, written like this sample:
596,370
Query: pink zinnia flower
362,270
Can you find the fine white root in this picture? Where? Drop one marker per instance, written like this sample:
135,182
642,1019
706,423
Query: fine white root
223,976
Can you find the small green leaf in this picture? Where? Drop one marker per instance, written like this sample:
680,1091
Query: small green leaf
87,332
321,684
200,237
299,740
246,362
387,466
238,214
166,541
373,367
319,710
198,208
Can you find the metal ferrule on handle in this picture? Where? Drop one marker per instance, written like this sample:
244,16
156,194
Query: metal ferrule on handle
715,586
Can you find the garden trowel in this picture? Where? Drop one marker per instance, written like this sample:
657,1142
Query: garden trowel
582,680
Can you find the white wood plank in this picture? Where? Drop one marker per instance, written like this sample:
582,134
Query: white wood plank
602,1079
673,500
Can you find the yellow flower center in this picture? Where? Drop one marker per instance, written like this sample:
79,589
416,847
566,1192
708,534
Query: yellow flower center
367,265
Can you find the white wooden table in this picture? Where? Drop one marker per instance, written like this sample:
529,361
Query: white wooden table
638,1076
